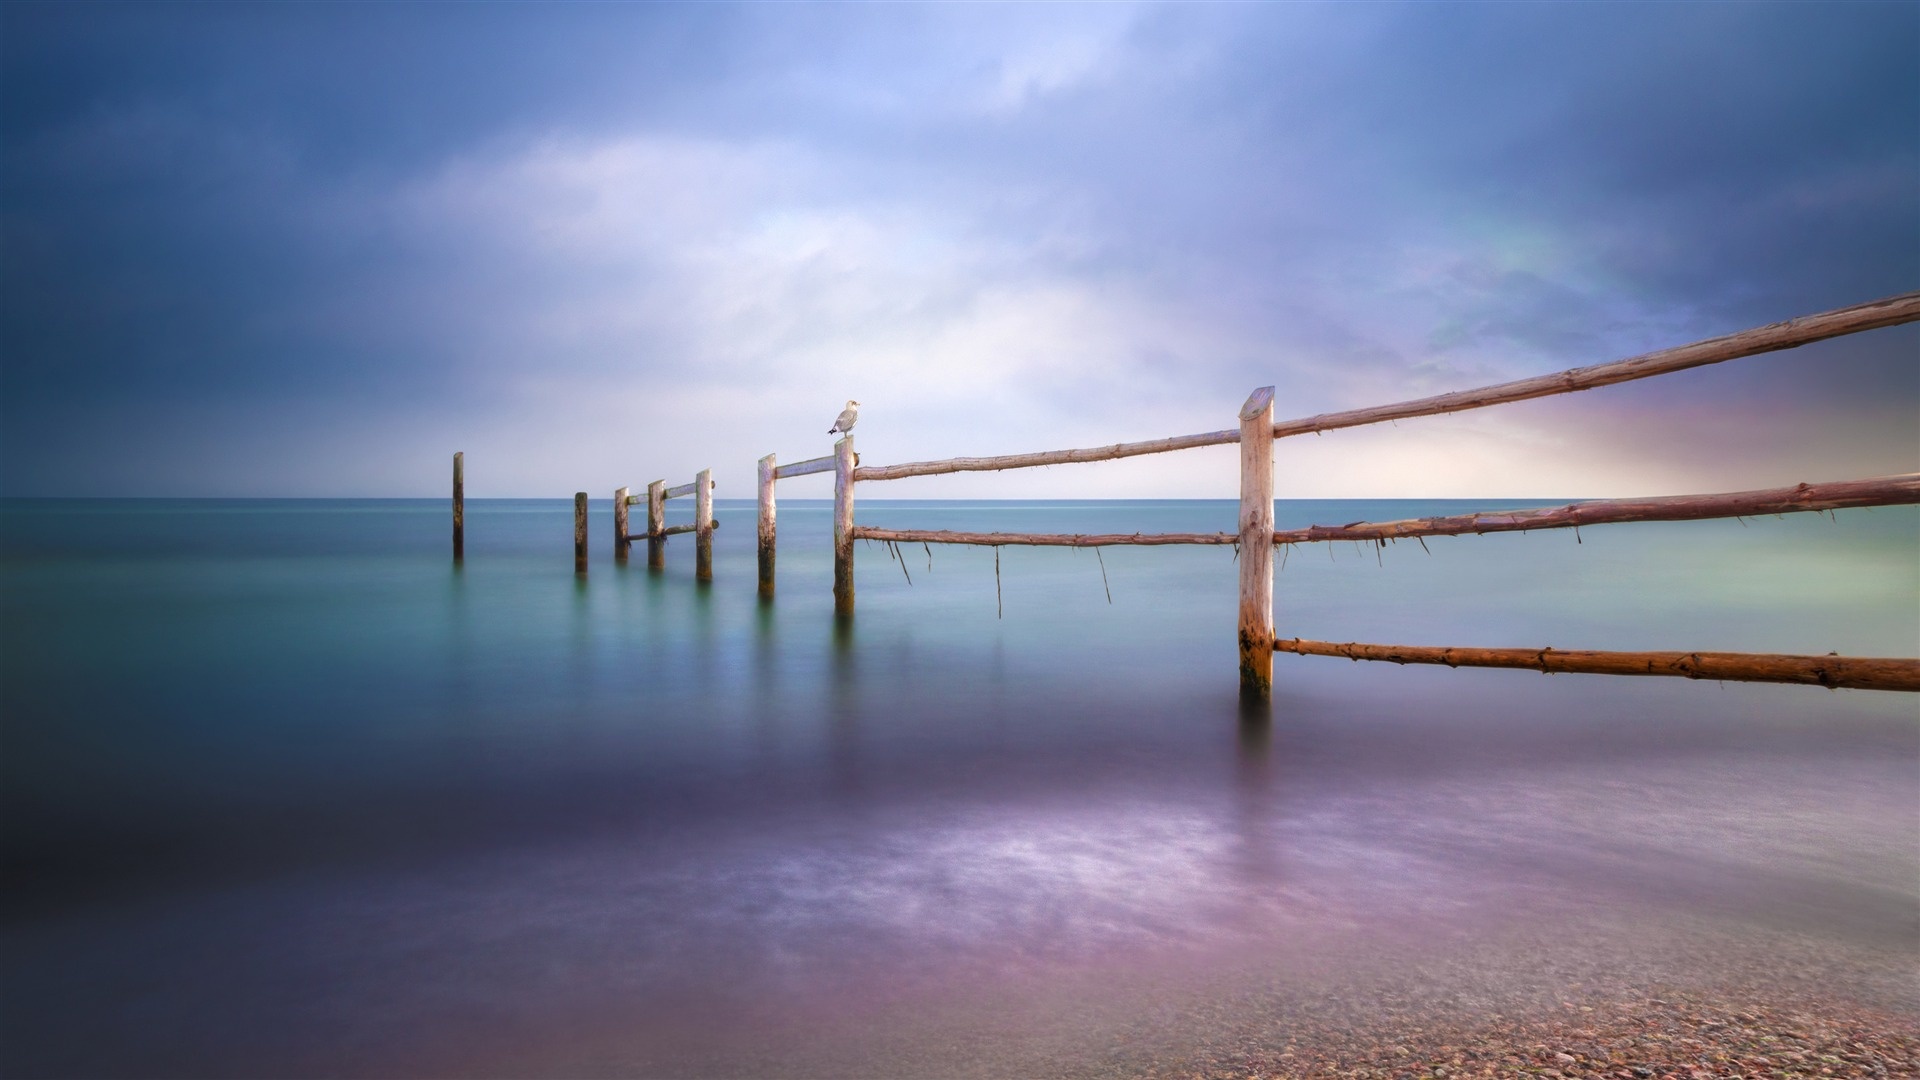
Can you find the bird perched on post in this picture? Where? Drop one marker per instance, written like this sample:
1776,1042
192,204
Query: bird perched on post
844,425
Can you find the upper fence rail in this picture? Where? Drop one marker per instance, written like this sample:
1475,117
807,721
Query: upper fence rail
804,468
1793,333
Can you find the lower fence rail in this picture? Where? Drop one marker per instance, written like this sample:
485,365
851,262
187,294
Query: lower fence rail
1833,672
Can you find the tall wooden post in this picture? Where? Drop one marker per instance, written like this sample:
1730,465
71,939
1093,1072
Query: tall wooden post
656,524
703,525
459,507
1256,546
843,526
766,526
580,532
620,542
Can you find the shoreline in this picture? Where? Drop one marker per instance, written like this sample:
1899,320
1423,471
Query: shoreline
1597,995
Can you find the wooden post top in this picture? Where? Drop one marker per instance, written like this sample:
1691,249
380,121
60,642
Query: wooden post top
1257,403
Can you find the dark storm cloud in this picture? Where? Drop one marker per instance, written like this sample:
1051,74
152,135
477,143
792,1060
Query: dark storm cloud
180,179
1098,220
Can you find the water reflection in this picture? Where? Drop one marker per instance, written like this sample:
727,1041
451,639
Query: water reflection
706,661
1256,802
931,799
844,711
767,706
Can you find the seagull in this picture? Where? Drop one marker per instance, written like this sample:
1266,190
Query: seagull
844,425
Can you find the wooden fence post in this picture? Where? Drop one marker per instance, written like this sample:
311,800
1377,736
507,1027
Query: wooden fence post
1256,546
766,526
703,525
843,526
579,532
459,507
620,541
656,522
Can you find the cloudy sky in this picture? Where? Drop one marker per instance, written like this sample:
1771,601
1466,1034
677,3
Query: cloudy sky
313,250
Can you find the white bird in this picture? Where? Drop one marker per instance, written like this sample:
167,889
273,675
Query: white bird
844,425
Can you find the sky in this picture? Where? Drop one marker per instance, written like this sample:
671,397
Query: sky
291,250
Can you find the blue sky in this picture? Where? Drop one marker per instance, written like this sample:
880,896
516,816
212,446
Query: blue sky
313,250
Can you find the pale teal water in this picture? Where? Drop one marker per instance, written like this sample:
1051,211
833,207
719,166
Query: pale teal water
288,794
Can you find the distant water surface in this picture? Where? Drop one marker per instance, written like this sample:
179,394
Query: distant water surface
287,793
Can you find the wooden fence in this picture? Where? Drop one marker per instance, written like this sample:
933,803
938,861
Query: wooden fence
657,531
769,473
1256,538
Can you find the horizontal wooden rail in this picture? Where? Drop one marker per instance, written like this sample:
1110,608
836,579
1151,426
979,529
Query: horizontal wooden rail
1045,457
1880,491
676,530
1833,672
805,468
999,539
682,491
1892,311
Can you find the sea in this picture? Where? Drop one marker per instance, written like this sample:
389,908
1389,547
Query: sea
284,791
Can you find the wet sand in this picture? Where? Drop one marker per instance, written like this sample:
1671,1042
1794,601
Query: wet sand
1593,994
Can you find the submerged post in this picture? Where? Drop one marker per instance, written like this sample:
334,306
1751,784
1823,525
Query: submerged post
580,533
459,507
843,526
1256,546
703,525
766,526
656,523
620,541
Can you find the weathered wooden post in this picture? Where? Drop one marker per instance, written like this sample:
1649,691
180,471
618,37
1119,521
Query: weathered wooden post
703,525
459,507
579,532
656,524
1256,546
766,526
843,526
620,541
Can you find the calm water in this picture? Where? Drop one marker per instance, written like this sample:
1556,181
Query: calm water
286,793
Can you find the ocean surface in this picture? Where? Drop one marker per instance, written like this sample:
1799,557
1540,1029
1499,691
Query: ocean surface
287,793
